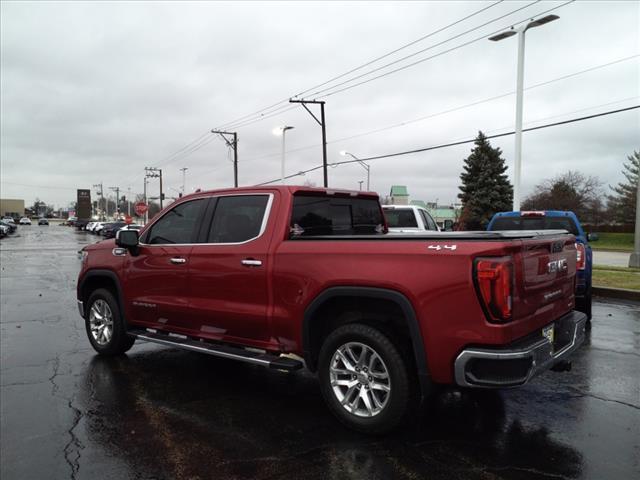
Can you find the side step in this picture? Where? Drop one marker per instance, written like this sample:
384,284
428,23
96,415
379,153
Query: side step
218,350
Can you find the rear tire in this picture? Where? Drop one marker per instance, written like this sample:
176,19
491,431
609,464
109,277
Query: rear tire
105,326
364,379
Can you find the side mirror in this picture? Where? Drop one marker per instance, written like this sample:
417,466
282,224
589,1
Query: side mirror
127,239
448,225
592,237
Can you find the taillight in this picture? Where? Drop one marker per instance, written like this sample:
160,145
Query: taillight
581,257
494,278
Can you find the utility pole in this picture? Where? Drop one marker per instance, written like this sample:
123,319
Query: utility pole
129,201
151,172
322,124
117,190
233,144
184,171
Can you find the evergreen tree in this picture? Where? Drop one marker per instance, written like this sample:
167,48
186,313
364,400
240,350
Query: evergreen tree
485,187
622,206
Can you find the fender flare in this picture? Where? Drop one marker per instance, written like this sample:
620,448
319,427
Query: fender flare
104,274
378,293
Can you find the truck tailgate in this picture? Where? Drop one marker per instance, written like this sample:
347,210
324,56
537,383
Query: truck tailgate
545,278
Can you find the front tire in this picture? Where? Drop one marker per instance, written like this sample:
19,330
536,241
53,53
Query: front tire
364,379
105,325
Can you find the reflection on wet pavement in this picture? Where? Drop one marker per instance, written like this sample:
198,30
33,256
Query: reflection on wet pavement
166,413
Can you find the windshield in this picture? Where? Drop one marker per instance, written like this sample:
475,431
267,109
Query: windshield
535,223
400,218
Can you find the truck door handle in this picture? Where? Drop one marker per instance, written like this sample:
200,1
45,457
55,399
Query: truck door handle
178,261
250,262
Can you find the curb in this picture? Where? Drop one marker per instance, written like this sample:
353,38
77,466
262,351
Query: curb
620,293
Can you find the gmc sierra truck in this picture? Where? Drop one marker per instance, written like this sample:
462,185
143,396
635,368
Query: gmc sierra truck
288,277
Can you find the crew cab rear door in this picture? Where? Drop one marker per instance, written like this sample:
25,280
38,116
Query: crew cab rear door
228,271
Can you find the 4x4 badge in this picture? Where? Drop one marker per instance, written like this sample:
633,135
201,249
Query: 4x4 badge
440,247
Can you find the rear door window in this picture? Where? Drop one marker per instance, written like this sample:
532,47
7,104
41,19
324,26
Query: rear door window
430,224
238,218
322,215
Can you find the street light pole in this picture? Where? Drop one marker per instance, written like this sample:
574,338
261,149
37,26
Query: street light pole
282,130
364,165
519,97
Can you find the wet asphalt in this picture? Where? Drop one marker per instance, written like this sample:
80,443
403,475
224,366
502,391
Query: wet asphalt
163,413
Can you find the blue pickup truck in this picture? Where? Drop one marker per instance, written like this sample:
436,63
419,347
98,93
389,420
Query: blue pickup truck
556,220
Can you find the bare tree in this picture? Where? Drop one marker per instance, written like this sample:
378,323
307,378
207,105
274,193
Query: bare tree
571,191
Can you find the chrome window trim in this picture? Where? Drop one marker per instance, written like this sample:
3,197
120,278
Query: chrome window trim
263,226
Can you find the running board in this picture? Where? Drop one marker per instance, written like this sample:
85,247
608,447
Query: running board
218,350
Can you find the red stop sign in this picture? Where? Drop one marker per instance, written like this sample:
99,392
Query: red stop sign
127,219
141,208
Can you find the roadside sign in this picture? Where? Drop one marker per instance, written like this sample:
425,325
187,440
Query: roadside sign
141,208
128,220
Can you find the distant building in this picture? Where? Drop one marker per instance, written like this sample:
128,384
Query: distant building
399,195
11,207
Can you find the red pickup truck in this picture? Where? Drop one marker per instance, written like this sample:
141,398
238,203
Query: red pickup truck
286,277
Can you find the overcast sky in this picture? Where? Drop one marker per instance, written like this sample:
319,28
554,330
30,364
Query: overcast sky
94,92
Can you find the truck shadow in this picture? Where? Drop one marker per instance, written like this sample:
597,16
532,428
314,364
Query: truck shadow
174,414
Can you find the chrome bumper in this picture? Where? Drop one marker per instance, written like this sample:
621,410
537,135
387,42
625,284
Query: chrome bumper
519,363
81,308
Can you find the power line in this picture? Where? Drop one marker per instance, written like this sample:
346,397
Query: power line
454,109
430,47
457,143
417,62
330,90
267,109
435,32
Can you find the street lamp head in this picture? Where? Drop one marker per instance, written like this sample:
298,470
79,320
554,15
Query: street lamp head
344,153
542,21
280,130
502,36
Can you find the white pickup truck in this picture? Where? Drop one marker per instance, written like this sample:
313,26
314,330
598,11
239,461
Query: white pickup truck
408,219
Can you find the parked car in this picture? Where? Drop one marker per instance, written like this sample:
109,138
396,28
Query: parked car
557,220
43,221
274,275
9,224
4,230
25,221
71,221
97,228
110,229
408,219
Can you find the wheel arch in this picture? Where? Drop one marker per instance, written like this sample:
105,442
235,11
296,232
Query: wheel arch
95,279
313,321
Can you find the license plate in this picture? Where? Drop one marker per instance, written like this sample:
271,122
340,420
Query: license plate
548,332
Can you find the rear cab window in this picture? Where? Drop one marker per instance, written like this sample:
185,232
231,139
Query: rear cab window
314,214
535,223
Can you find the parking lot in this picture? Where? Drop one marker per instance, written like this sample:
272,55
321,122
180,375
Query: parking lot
165,413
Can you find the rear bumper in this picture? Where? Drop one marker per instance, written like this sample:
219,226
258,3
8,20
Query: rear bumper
520,362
